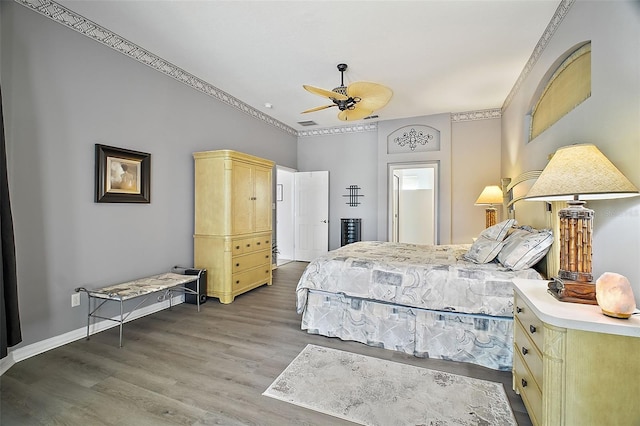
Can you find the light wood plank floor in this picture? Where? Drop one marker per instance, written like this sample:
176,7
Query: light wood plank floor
182,367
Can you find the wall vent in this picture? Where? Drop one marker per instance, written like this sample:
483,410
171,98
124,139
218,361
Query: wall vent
307,123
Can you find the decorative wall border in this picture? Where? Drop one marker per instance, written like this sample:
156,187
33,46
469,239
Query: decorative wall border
557,18
354,128
76,22
485,114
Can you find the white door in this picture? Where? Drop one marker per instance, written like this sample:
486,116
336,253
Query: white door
311,214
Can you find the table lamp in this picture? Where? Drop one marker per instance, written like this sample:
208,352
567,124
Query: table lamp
574,174
490,195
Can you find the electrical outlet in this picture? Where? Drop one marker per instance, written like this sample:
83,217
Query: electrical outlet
75,299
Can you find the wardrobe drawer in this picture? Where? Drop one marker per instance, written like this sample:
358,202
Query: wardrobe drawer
531,324
250,261
262,243
245,279
241,245
529,353
527,388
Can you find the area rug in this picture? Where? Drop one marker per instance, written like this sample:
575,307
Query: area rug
371,391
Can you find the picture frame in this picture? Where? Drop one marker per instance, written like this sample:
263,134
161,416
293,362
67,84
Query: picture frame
122,175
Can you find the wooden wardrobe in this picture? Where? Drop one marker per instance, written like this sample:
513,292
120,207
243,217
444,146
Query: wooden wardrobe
233,221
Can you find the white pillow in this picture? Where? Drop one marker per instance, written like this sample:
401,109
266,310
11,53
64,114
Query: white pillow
498,231
523,249
483,250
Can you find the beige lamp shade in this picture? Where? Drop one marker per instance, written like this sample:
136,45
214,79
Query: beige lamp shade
490,195
580,170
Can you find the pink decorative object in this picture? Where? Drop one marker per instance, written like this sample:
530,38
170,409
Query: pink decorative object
614,295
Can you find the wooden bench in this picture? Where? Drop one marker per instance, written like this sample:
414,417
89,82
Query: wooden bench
143,287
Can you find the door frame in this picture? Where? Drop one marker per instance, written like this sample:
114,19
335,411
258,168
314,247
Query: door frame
391,167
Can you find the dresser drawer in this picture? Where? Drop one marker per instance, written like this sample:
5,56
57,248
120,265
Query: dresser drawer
529,353
250,261
531,324
527,388
261,243
249,278
241,245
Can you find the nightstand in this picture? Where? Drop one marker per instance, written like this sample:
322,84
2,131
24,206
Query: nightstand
572,365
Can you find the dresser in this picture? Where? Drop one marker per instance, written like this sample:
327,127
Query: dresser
572,365
233,221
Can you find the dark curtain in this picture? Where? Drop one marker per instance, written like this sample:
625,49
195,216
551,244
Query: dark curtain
10,334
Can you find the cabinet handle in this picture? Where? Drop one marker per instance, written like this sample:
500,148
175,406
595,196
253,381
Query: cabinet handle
266,256
258,243
532,329
237,247
519,309
525,351
237,281
524,383
248,245
237,264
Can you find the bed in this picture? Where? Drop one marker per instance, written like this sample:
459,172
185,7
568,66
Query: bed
452,302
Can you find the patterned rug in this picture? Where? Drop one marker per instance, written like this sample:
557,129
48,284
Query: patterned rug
372,391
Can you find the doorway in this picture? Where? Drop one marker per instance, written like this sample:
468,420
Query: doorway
413,203
302,215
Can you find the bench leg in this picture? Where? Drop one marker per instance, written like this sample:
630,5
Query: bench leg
121,320
88,314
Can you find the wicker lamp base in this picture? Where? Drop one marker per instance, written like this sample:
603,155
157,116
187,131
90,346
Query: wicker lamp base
575,280
491,214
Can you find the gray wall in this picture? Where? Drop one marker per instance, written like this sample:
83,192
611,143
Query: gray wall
64,92
351,160
610,119
473,161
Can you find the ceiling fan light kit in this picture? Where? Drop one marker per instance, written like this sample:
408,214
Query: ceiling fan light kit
356,101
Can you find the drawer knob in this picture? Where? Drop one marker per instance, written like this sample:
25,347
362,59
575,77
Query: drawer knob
237,247
237,264
532,329
524,383
258,243
237,281
519,309
266,256
248,245
525,351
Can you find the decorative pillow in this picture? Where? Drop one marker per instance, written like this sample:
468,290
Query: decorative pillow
483,250
498,231
523,248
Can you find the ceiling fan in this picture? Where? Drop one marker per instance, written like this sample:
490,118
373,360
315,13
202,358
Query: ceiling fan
356,101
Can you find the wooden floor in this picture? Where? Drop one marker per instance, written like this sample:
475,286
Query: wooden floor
183,367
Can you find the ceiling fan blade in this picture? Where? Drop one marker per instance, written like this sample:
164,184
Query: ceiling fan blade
373,95
354,114
318,108
326,93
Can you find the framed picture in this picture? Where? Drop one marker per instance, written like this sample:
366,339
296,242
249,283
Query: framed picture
122,175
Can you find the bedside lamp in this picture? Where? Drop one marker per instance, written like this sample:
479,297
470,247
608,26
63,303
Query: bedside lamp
576,173
490,195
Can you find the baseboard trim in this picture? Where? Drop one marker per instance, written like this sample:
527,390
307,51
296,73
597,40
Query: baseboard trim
37,348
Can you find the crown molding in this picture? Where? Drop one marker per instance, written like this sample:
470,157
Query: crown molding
76,22
339,130
557,18
485,114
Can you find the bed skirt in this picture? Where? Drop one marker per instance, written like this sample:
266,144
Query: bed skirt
477,339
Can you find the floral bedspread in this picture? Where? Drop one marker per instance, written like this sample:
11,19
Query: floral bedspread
421,276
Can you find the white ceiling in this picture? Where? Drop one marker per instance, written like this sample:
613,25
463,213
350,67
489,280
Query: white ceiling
436,56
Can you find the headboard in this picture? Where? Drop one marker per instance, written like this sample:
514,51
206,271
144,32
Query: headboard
537,214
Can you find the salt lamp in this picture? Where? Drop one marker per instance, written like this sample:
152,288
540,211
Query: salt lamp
614,295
